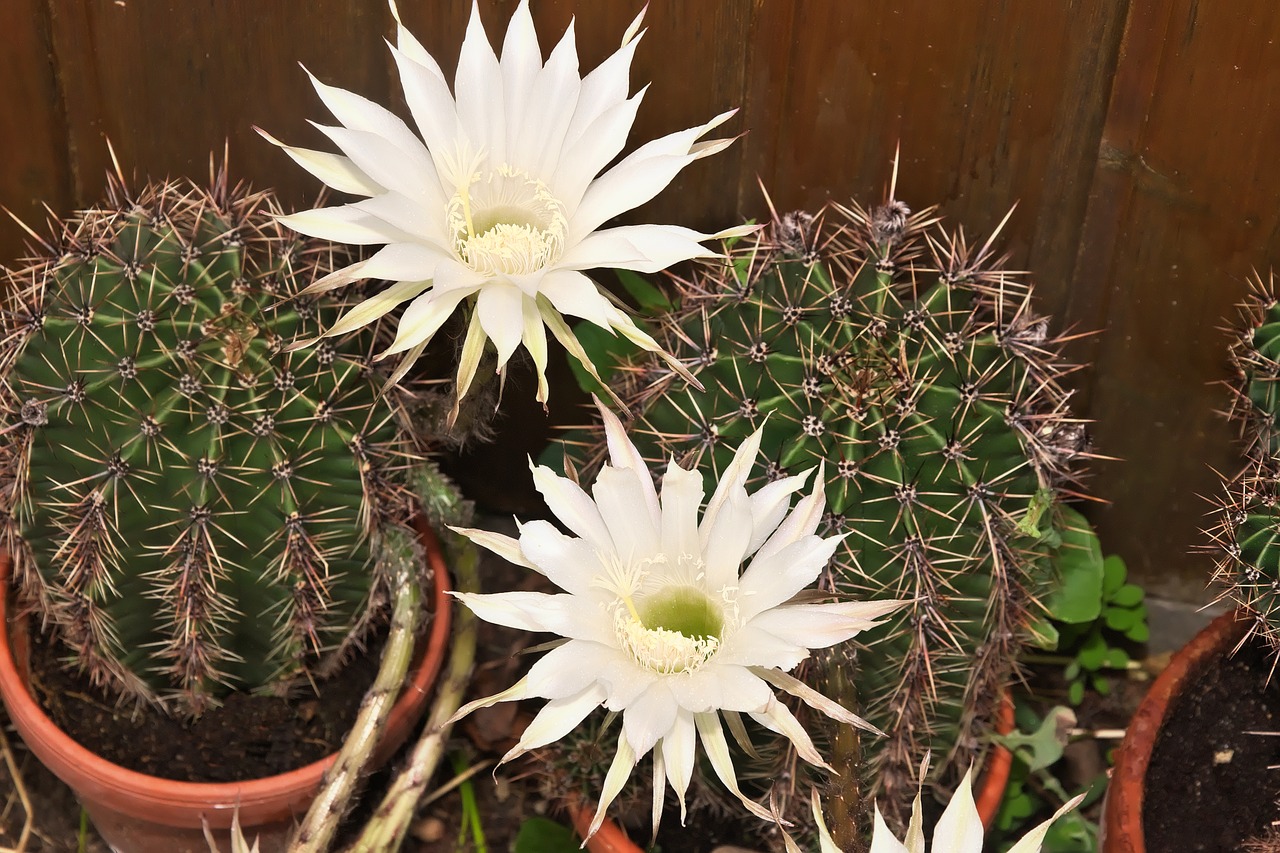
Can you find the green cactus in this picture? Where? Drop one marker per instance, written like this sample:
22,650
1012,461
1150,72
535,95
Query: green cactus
1246,537
192,505
912,368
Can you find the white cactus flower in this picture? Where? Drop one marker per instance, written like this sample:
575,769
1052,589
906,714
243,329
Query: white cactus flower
959,830
663,622
497,202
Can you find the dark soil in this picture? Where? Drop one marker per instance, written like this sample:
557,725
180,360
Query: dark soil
1208,786
246,737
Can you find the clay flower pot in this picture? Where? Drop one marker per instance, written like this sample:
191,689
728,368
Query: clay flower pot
612,838
138,813
1122,829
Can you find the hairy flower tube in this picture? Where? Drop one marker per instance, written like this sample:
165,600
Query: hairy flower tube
959,830
673,615
496,203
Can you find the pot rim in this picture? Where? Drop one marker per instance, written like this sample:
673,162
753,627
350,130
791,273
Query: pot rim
187,804
1122,830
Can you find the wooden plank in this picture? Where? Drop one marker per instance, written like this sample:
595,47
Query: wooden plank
1184,206
32,132
984,119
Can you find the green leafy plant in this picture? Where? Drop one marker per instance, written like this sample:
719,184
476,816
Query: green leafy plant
193,505
913,368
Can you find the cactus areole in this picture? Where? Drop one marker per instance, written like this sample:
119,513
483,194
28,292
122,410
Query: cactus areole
194,507
913,366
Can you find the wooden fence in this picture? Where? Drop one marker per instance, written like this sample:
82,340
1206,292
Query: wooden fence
1139,140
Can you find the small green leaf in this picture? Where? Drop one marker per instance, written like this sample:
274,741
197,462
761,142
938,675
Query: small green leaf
1092,653
648,297
1044,746
1075,692
1079,563
1117,658
1043,634
539,835
1129,595
1071,671
1113,575
1102,685
1139,633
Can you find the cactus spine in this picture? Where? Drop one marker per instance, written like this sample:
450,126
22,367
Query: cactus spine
193,506
1246,537
912,367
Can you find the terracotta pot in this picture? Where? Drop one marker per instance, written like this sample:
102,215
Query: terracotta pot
137,813
1122,830
612,838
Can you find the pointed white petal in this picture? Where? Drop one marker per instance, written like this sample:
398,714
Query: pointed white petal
469,359
717,750
825,843
725,543
551,317
521,61
883,840
960,827
433,109
681,498
572,507
333,170
817,626
410,46
511,694
570,563
533,611
574,294
504,546
643,248
659,783
405,262
719,687
334,280
556,719
570,668
623,760
590,151
605,86
535,341
803,520
650,717
501,311
732,479
477,87
773,580
1032,841
750,646
407,217
778,718
376,306
537,143
622,497
410,175
814,699
769,507
422,319
344,225
678,755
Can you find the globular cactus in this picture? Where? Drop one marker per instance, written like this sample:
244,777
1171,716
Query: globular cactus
1246,538
914,370
191,505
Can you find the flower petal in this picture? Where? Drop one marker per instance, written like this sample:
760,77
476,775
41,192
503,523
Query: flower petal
570,668
1032,841
505,547
574,294
624,455
619,770
814,699
643,248
369,310
650,717
960,824
534,611
681,498
537,143
621,496
501,310
883,841
477,87
678,754
513,693
778,718
405,262
555,720
769,507
334,170
584,156
422,319
572,507
535,341
803,520
344,224
717,749
771,580
570,563
817,626
719,687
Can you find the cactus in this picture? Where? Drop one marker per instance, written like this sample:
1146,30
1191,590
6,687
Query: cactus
192,505
912,368
1246,536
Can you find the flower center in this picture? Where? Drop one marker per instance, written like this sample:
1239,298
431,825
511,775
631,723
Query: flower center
505,222
674,630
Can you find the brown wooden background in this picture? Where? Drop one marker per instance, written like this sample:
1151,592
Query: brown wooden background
1139,139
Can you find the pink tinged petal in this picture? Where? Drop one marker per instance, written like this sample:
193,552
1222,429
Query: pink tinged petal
681,498
717,749
504,546
769,507
803,520
513,693
408,174
1032,841
405,262
771,580
574,294
501,314
720,687
643,248
535,341
817,626
640,176
478,90
882,840
649,718
622,496
571,668
584,156
623,761
345,224
572,507
334,170
422,319
727,540
521,61
752,646
778,718
679,756
376,306
556,719
570,563
960,826
814,699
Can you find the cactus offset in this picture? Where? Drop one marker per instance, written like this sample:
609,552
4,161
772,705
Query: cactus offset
192,506
1246,538
913,369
